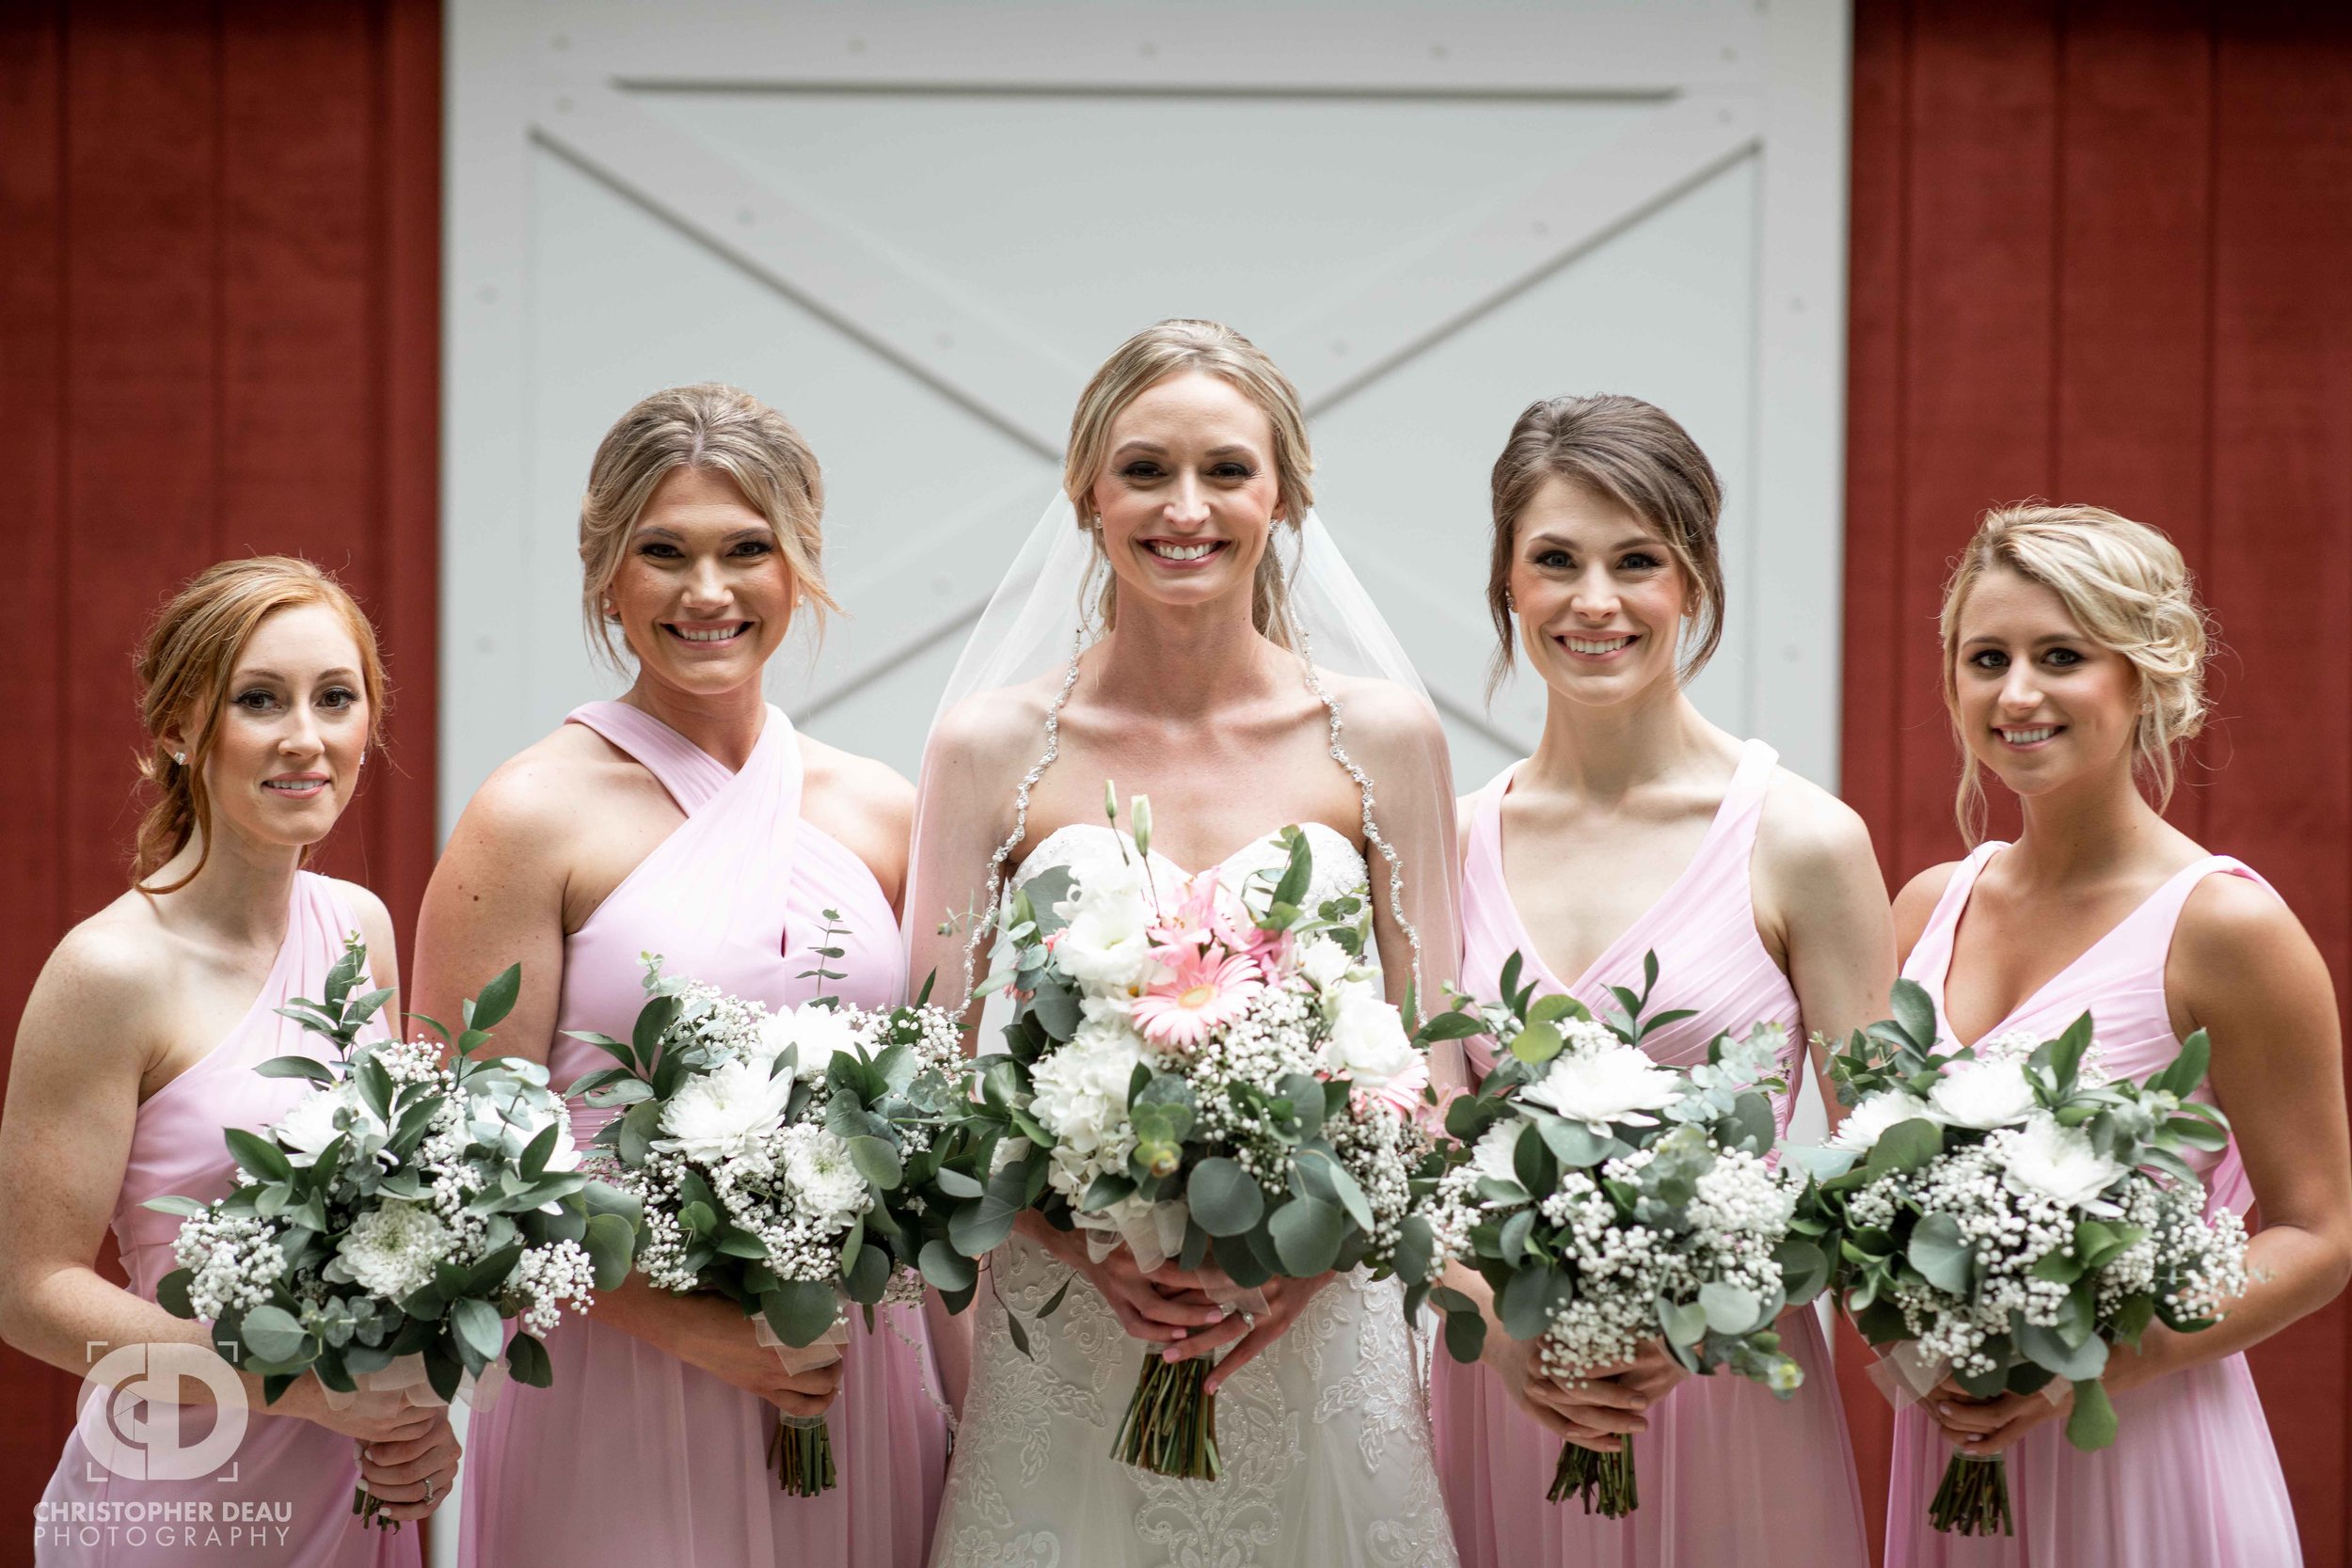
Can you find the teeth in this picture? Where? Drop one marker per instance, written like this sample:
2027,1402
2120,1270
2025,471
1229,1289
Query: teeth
292,784
1182,553
717,634
1580,645
2028,738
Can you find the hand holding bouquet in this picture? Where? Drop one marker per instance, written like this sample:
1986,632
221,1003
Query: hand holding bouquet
781,1160
382,1231
1611,1201
2006,1214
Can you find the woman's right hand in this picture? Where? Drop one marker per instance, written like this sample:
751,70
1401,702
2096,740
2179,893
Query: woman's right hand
712,1333
371,1415
1596,1414
1156,1313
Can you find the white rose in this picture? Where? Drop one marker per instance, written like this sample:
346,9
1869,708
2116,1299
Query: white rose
2057,1161
816,1163
1368,1045
1107,941
720,1113
1861,1130
1324,963
817,1033
1598,1088
306,1129
1982,1095
391,1249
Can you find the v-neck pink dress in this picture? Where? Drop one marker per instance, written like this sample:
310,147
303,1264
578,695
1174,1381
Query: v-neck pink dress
634,1457
1728,1472
2192,1478
283,1498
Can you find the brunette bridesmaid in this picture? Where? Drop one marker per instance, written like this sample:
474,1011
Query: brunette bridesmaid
1637,827
261,692
691,821
2073,664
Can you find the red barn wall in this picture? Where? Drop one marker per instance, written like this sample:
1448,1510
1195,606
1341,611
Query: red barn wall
2103,252
219,320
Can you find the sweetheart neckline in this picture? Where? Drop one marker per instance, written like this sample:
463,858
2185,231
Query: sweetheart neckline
1258,843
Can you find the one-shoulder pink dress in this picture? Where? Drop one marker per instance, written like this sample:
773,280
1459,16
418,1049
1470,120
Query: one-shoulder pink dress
2192,1478
633,1457
1728,1472
284,1499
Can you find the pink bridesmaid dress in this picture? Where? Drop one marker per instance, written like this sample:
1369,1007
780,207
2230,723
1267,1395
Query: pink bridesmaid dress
634,1457
285,1499
1727,1473
2192,1478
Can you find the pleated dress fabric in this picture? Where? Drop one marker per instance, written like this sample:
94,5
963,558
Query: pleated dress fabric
1726,1472
2192,1478
285,1498
633,1456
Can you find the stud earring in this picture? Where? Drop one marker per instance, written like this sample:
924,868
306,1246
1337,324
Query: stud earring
363,759
1509,603
180,758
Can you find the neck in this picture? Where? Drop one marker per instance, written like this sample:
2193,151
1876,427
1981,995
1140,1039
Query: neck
2083,832
1605,752
241,894
1182,661
726,724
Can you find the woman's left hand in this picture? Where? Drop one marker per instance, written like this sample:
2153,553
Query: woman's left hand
1982,1428
412,1477
1250,1334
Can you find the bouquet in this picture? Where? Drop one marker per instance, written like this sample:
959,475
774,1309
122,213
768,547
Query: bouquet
2004,1214
1611,1201
1201,1072
781,1160
383,1230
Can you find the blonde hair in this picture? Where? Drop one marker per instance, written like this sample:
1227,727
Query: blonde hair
718,429
1175,347
2126,584
1636,454
185,664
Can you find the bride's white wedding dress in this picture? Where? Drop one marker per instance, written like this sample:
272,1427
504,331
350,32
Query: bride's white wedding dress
1325,1437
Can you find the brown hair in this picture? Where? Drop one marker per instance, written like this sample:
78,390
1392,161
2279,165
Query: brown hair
1636,454
718,429
1174,347
185,664
2126,586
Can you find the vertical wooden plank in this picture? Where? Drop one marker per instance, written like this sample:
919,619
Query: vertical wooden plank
2281,575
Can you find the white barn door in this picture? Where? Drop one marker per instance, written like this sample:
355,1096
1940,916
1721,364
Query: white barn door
915,230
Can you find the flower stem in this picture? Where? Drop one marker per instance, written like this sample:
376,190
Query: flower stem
1171,1427
1602,1481
802,1452
369,1507
1974,1497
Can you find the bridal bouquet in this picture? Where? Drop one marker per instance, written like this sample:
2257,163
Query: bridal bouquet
383,1230
1200,1072
2006,1214
782,1160
1611,1201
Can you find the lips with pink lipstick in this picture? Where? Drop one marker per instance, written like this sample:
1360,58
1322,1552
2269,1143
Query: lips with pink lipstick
297,786
1185,553
2028,738
1599,649
708,634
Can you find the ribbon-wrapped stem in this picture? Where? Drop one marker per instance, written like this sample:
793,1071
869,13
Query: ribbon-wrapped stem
801,1452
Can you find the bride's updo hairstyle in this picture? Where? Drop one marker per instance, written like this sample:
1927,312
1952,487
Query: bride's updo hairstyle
717,428
1636,454
1176,347
2126,586
184,667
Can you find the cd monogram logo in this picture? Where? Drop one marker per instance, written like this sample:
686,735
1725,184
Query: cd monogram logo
130,1421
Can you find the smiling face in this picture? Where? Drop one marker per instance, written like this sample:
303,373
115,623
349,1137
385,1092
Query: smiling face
1187,492
285,754
2036,701
1600,597
702,592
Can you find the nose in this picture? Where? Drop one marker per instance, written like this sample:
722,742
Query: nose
1187,504
706,584
1592,597
2020,692
300,736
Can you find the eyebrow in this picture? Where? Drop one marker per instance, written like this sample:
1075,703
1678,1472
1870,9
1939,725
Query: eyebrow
338,674
2042,642
1635,541
1231,448
662,530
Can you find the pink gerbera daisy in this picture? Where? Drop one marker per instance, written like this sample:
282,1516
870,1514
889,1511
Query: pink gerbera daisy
1199,993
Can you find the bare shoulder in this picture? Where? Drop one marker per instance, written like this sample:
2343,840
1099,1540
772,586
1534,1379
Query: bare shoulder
1808,834
538,797
1379,718
2234,926
877,793
101,995
375,928
1917,901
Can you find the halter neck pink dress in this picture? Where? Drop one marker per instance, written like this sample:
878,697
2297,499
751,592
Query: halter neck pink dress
634,1457
2192,1478
1727,1473
285,1499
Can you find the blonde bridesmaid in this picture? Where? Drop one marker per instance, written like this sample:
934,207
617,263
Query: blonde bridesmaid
1637,827
261,690
2073,666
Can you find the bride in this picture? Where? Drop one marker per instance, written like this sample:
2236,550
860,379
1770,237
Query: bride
1182,626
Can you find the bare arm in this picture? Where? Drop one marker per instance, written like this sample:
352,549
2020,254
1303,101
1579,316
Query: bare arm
1819,888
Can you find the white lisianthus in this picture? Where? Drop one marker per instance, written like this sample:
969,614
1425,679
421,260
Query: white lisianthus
1598,1088
820,1034
816,1163
720,1113
1080,1096
2057,1161
1866,1122
306,1129
390,1250
1368,1045
1983,1095
1491,1155
1107,941
1324,963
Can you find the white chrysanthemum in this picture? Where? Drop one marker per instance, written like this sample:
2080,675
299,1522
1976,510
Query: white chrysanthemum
1491,1155
721,1112
824,1178
1107,941
306,1129
1368,1043
390,1250
2057,1162
1983,1095
1864,1124
1324,963
1598,1088
819,1034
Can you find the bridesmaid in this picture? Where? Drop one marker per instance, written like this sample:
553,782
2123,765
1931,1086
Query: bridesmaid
688,819
261,690
1638,826
2074,666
